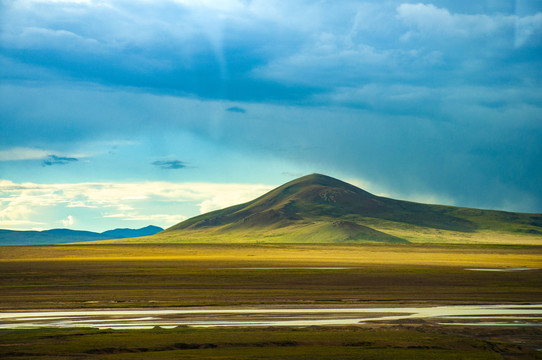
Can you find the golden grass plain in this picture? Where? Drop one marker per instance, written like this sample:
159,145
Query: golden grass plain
169,275
288,254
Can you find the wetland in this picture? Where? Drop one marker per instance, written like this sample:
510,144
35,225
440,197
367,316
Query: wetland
279,301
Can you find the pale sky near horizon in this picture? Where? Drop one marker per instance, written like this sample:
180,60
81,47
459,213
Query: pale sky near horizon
128,113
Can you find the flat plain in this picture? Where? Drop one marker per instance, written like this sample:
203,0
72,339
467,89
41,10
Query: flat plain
98,276
82,276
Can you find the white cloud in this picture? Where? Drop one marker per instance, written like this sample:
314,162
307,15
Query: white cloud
22,153
15,210
427,20
223,6
528,28
36,37
228,198
137,197
118,215
328,61
68,222
22,203
430,20
86,2
25,153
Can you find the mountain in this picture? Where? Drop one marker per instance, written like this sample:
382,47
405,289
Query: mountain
130,233
62,236
319,208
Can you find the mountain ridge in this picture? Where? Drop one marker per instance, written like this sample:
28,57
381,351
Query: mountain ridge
62,236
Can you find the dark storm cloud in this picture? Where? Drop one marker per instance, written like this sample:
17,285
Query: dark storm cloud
171,164
198,58
268,53
57,160
440,98
236,109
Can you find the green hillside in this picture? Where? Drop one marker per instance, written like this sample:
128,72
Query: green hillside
320,209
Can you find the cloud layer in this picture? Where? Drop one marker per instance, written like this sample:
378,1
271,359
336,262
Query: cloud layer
436,99
27,205
258,49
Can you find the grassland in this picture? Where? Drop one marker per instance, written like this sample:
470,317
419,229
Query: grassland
313,242
184,275
322,232
346,343
82,276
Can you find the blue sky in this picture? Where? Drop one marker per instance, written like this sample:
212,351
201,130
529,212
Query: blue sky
129,113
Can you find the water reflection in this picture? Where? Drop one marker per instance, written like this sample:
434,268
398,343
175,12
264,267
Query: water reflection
480,315
500,269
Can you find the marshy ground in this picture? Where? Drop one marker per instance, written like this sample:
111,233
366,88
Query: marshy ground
176,275
380,342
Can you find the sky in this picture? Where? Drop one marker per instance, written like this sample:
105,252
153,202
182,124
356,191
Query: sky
127,113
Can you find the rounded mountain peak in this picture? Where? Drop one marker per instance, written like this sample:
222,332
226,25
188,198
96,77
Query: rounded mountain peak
320,180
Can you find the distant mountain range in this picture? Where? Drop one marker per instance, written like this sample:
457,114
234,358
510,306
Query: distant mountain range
63,236
318,208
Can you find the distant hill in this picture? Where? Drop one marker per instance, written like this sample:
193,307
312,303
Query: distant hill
63,236
317,208
130,233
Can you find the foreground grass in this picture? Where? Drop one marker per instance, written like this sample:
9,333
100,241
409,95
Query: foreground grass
179,275
165,275
269,343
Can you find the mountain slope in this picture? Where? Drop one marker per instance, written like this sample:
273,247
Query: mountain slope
63,236
318,208
317,196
